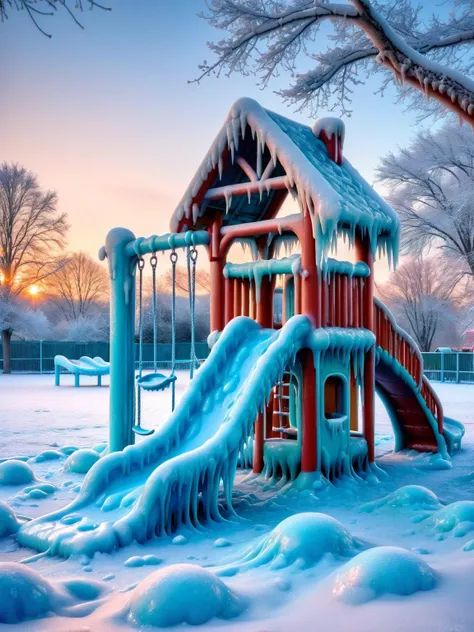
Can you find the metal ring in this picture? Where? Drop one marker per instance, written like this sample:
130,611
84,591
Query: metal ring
173,257
153,261
193,254
141,263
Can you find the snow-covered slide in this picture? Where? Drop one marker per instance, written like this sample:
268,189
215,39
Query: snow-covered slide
414,408
174,477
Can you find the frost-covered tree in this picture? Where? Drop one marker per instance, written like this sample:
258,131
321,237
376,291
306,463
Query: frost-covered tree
431,185
432,54
91,328
79,286
32,232
38,10
29,324
203,282
422,295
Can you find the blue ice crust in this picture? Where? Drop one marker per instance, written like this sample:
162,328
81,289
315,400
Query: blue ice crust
457,517
145,494
181,594
407,497
383,570
15,472
8,521
24,593
81,461
300,540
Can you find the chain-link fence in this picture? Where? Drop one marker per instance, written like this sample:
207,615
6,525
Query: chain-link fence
449,367
38,356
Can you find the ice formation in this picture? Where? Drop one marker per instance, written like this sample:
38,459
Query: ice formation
8,521
334,195
458,518
182,594
15,472
383,570
81,461
407,497
24,593
301,540
195,452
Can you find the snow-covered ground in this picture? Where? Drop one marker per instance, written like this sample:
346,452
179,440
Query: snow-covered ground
310,575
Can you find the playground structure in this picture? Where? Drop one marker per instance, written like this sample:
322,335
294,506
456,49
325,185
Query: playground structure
92,367
281,397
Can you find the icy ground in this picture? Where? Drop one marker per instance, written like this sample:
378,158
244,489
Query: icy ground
309,573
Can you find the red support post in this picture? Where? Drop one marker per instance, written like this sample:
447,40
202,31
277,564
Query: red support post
229,300
217,263
324,302
245,298
258,445
310,286
364,254
237,297
309,443
265,305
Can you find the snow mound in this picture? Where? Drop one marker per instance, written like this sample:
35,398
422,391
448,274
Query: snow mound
301,540
182,594
25,594
47,455
15,473
383,570
8,522
409,497
81,461
457,517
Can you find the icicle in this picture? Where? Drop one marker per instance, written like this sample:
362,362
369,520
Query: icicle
195,212
259,158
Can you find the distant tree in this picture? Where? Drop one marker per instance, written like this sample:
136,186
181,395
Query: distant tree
266,36
32,232
431,185
78,286
91,328
36,10
29,324
203,282
422,295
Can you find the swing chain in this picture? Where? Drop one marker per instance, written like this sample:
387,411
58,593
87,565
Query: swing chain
154,263
192,259
174,260
141,265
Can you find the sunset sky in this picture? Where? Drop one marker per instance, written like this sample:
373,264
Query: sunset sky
107,118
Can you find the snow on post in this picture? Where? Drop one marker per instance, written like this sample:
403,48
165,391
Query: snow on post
331,131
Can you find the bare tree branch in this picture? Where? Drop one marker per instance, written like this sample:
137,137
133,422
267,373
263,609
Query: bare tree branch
47,8
266,35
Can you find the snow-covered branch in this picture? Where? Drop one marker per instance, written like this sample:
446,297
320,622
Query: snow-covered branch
265,36
39,9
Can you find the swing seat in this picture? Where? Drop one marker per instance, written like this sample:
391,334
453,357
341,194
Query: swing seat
143,432
155,381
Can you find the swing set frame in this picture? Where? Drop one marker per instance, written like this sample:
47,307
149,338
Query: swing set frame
124,252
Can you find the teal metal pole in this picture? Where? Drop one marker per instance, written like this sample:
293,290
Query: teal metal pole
169,241
122,267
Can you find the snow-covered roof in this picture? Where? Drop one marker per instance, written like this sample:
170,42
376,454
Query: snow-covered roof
337,197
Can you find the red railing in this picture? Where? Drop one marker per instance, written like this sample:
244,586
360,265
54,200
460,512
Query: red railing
341,300
398,344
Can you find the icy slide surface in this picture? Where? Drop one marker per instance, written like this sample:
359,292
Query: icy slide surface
173,477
